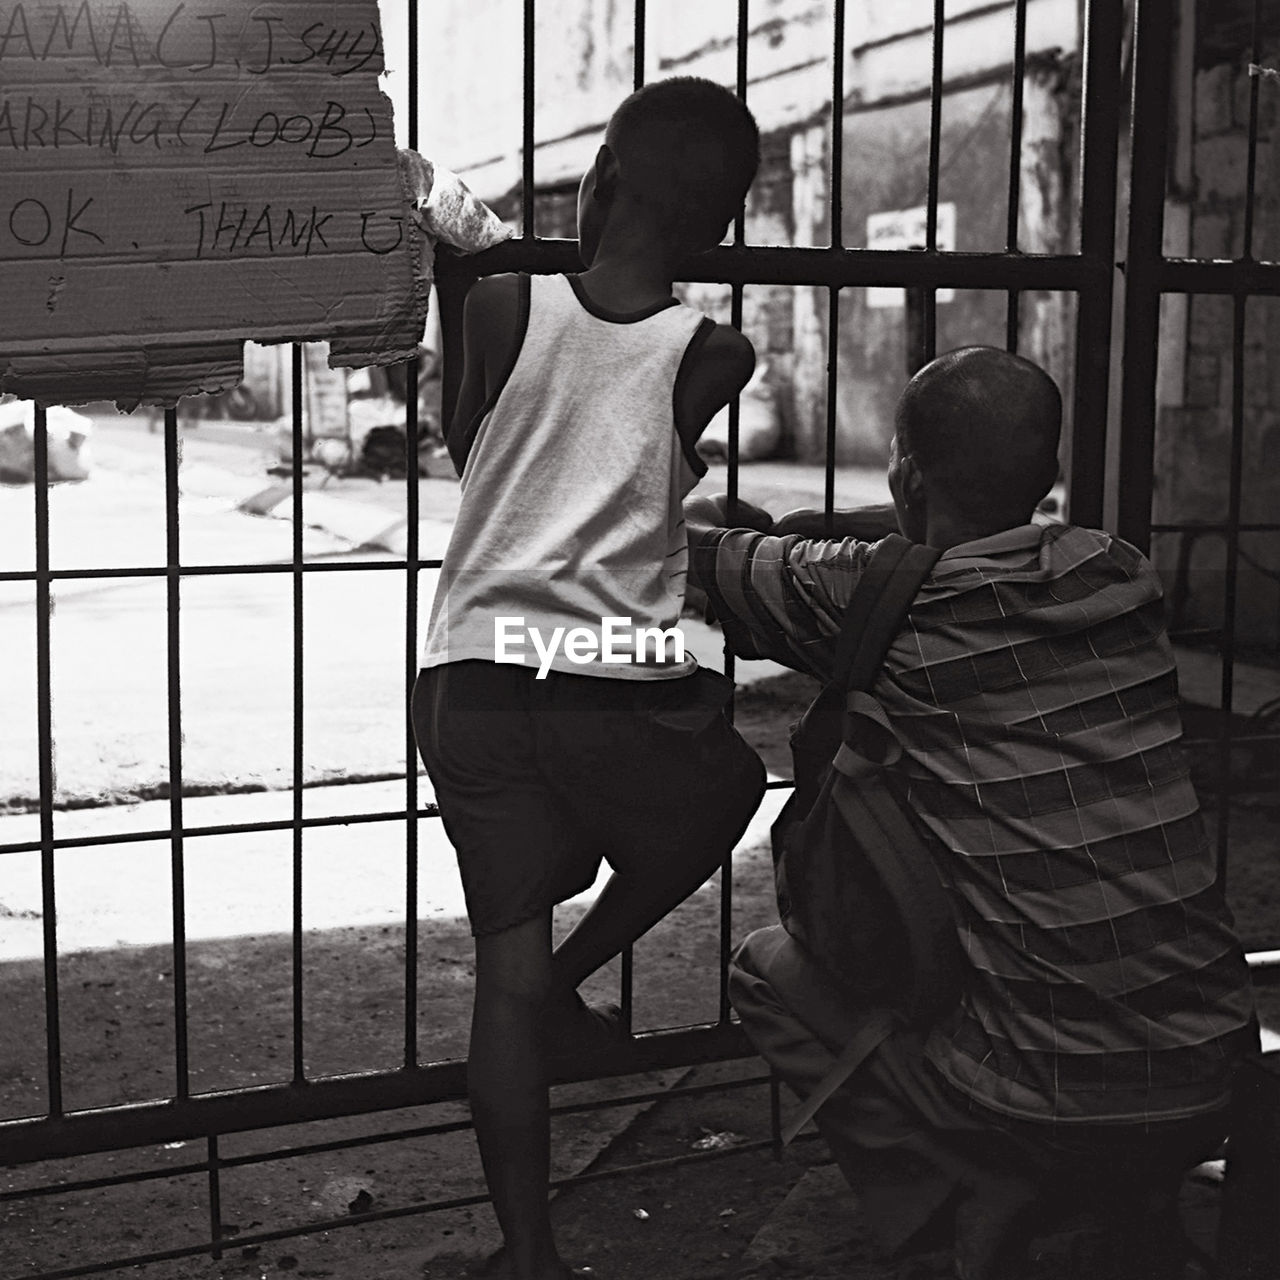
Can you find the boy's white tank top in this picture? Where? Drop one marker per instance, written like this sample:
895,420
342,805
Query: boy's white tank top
571,498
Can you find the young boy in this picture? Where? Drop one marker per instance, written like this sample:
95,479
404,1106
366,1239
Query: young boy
582,399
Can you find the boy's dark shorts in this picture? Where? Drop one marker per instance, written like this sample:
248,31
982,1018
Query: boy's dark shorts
537,780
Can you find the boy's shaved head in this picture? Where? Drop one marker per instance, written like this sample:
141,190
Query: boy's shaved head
983,426
688,149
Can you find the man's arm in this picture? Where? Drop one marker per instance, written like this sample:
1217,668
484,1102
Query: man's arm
775,597
492,330
701,515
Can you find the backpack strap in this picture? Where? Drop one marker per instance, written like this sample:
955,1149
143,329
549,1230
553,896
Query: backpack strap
877,1028
905,868
873,616
889,840
878,607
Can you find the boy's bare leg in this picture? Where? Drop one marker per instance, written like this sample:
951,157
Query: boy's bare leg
506,1081
627,907
630,905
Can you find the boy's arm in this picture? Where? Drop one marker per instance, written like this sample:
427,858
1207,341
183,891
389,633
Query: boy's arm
719,367
493,321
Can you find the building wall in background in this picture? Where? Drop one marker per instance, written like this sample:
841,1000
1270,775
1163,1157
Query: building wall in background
1192,463
585,63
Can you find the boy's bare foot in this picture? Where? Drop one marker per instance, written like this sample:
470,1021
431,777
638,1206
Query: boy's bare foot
578,1026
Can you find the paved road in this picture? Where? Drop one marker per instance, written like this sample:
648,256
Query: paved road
109,636
110,710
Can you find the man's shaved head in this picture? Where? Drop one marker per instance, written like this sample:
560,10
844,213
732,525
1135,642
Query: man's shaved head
982,426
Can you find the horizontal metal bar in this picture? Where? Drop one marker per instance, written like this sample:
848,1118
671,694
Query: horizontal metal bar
401,1211
412,1134
226,828
458,1126
1186,275
208,570
1240,738
217,1247
1218,527
428,810
236,1111
832,266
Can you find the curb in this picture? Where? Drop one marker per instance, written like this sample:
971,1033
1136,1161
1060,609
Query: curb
366,527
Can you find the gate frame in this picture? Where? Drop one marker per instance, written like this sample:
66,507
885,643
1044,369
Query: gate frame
1089,273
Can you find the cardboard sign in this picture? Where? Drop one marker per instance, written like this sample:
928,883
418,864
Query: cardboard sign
178,176
908,229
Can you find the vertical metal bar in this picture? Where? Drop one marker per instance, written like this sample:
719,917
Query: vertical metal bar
411,556
638,45
1100,126
1235,483
833,359
726,867
1152,74
935,126
299,1071
735,412
775,1115
1012,320
837,241
215,1197
1012,301
739,236
412,514
526,142
1015,127
1251,171
627,985
735,318
1231,580
414,100
928,296
744,37
45,747
837,126
177,861
726,934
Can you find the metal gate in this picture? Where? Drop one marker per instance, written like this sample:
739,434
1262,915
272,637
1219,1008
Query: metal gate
1089,274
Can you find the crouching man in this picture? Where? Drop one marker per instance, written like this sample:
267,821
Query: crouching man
1104,1001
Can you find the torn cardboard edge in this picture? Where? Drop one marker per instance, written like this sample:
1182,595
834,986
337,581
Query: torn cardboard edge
160,373
166,352
163,375
159,369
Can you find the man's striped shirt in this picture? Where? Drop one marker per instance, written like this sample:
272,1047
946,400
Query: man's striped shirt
1034,692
